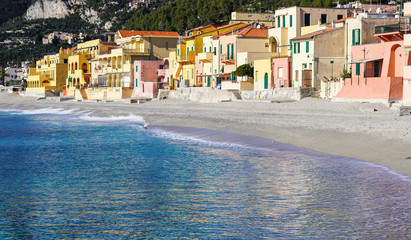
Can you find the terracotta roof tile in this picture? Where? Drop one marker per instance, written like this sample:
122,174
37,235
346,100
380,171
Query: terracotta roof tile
313,34
125,33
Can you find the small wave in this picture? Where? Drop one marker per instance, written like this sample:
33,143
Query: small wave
53,111
130,118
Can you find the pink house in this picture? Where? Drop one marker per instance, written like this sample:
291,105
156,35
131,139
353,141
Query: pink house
146,79
377,69
281,68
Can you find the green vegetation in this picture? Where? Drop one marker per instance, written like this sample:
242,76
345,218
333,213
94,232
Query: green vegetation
244,70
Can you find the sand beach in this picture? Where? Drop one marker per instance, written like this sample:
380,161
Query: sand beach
365,131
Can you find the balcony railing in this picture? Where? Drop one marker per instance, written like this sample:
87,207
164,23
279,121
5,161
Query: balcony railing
390,28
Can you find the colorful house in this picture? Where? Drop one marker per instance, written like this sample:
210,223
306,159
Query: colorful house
407,54
146,78
377,69
189,47
243,46
114,69
79,64
312,62
49,76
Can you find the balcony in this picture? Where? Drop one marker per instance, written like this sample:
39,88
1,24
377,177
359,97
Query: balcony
226,60
205,57
161,72
392,32
190,58
388,28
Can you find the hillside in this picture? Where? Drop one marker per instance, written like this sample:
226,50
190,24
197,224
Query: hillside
24,23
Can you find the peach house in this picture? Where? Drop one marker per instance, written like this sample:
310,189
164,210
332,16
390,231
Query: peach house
377,69
147,81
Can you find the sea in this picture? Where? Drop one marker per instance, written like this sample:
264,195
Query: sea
65,174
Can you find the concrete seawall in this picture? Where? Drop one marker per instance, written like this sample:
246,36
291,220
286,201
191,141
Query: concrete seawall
209,95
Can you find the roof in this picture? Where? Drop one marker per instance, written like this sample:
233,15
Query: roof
126,33
235,29
254,33
201,27
313,34
219,28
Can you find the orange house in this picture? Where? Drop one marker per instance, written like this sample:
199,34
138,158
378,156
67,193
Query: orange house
377,69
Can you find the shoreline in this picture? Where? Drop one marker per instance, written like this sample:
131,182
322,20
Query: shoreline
341,129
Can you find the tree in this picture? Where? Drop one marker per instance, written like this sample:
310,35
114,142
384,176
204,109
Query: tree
244,70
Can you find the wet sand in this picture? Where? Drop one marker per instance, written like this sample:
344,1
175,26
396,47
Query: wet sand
344,129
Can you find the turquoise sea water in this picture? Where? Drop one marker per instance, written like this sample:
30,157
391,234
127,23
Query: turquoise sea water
66,176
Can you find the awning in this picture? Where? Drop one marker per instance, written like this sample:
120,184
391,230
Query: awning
366,60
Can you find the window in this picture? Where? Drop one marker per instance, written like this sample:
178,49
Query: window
323,18
228,51
215,50
284,21
280,72
136,82
210,49
304,66
178,52
136,68
188,50
291,20
298,46
205,49
166,45
307,46
278,22
340,17
232,51
357,68
356,37
295,48
221,49
307,19
192,48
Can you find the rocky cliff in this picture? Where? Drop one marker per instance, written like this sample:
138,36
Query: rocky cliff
47,9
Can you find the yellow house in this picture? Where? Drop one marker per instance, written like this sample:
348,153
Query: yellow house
49,76
112,75
188,49
79,65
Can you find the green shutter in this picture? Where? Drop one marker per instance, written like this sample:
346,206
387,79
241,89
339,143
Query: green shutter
228,51
357,69
136,68
136,82
210,49
232,51
221,49
284,21
353,37
188,50
178,52
358,37
298,47
307,46
205,49
278,22
291,20
295,49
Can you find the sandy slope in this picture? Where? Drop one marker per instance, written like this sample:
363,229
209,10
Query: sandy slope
345,129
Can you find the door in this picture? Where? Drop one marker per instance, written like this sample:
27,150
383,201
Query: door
376,68
266,81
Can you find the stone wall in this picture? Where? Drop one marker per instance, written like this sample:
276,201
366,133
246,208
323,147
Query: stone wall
292,93
204,95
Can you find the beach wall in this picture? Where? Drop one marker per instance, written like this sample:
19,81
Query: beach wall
292,93
204,94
